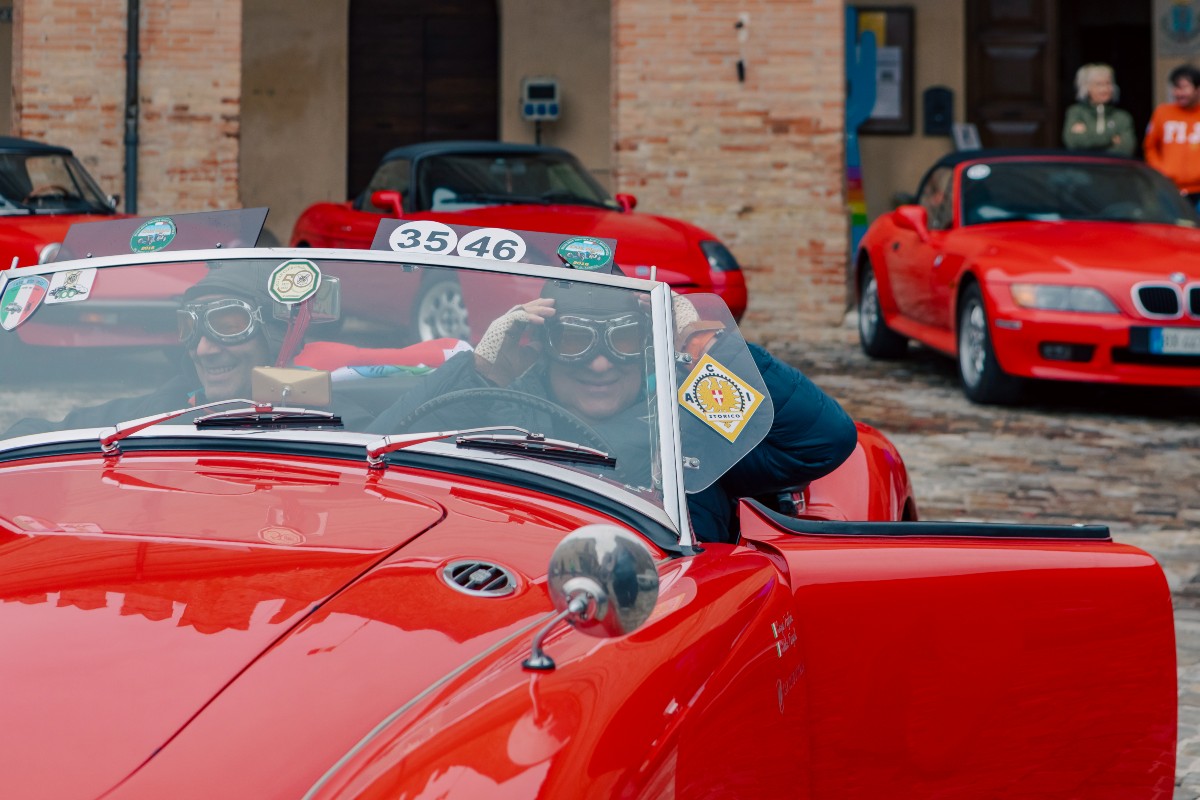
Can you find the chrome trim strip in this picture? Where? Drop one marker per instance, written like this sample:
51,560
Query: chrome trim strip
557,272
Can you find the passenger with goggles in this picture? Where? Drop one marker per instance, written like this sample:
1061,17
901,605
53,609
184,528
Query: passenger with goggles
225,326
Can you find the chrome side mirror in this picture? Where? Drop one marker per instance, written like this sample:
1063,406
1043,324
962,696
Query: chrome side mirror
603,582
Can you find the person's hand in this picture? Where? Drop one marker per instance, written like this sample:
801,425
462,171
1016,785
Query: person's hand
692,335
1078,127
499,356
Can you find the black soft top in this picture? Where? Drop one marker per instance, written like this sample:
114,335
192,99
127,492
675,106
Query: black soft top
961,156
11,144
415,151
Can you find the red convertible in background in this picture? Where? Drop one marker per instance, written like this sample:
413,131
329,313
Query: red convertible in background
44,190
521,187
1037,265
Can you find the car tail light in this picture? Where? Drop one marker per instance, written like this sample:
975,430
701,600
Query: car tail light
719,257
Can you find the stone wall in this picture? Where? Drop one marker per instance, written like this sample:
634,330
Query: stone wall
69,89
760,162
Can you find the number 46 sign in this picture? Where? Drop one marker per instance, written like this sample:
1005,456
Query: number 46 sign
497,244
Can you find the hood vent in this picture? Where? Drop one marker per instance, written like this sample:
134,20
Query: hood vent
479,578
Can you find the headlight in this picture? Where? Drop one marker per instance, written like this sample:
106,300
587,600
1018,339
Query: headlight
1062,298
49,252
719,257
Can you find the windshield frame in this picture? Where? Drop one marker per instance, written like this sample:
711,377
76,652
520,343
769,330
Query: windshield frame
674,509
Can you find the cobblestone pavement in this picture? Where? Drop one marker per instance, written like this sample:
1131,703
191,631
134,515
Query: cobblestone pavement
1128,458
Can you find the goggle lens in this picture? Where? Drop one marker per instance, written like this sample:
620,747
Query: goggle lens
570,340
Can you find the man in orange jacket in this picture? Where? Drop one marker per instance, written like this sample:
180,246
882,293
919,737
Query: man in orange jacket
1172,143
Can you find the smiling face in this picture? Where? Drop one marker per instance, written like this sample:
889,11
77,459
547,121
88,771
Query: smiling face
224,369
598,388
1184,93
1100,87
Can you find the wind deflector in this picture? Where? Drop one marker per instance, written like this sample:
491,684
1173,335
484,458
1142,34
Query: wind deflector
202,230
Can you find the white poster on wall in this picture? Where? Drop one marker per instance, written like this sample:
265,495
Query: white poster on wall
887,84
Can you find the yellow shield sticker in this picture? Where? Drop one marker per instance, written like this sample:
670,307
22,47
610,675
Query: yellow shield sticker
720,398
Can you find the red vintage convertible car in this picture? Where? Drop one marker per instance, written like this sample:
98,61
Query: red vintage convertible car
1040,265
44,190
266,596
522,187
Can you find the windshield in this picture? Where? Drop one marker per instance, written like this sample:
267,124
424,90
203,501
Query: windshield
48,184
1056,190
88,347
469,180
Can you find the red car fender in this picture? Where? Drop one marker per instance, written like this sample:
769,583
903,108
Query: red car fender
872,484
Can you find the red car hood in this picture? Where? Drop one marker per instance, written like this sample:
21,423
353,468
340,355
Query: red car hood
23,235
642,239
138,595
1052,249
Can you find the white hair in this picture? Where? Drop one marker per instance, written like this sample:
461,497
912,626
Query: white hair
1084,76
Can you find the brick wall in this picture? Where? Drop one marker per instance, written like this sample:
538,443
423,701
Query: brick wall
69,89
759,163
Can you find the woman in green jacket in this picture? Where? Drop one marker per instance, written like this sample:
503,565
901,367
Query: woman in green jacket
1094,123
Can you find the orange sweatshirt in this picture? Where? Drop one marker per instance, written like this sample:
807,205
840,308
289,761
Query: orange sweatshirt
1172,144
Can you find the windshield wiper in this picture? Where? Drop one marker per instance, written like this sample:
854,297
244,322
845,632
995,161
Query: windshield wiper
524,442
538,446
253,415
271,418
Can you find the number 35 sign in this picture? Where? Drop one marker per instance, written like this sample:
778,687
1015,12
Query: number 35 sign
496,244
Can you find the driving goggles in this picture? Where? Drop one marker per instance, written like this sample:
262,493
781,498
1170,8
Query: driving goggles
225,321
573,338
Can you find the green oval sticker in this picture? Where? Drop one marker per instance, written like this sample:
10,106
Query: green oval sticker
153,235
585,253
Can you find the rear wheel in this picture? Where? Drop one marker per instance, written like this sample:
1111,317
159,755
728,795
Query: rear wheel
440,312
876,338
983,380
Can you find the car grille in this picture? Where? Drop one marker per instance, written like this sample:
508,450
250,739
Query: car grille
479,578
1193,300
1158,300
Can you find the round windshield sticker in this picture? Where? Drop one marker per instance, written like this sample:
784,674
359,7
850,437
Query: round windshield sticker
294,281
978,172
585,253
153,235
721,399
493,243
426,235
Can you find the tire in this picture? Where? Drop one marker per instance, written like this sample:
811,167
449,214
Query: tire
440,312
983,380
876,338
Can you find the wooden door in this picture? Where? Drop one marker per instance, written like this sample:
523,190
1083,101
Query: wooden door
1012,72
419,71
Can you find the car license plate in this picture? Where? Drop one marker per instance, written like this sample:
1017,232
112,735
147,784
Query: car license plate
1175,341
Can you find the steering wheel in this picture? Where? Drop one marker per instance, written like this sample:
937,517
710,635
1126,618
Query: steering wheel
483,400
49,190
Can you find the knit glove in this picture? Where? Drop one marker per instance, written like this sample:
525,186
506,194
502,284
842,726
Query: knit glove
499,357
